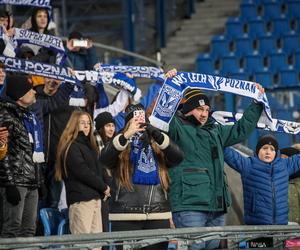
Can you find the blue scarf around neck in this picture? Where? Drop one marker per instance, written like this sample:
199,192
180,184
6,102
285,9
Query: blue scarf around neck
35,136
145,163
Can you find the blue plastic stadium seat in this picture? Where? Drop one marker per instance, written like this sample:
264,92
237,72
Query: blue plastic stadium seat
293,8
277,61
267,44
291,42
205,64
280,26
229,64
253,63
289,77
219,46
265,78
297,59
248,11
234,27
272,10
257,28
239,76
63,227
243,46
51,218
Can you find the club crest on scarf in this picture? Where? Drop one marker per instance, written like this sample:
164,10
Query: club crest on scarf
144,161
168,101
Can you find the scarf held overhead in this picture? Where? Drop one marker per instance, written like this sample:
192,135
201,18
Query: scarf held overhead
64,74
53,43
172,91
35,3
282,126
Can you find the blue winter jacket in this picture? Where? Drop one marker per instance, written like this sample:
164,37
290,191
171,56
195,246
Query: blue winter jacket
265,186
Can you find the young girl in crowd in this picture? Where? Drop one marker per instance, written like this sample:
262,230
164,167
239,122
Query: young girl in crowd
265,179
105,131
138,158
78,165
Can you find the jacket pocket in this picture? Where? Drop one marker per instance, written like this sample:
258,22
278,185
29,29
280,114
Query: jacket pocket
196,187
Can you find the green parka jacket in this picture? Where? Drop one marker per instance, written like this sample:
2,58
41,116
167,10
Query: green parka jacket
198,182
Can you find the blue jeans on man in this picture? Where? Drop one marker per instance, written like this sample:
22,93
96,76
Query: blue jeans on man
199,219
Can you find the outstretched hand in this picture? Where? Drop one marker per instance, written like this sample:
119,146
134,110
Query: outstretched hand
260,88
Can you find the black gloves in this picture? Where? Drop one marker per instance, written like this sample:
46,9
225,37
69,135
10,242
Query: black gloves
155,133
12,195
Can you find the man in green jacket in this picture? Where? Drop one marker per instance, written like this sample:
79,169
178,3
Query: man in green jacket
198,192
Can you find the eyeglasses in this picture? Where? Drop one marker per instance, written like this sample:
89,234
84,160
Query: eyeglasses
85,123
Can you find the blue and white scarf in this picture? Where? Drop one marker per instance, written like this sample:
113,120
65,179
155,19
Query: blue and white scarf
282,126
145,163
35,3
135,71
53,43
172,91
38,68
35,136
63,74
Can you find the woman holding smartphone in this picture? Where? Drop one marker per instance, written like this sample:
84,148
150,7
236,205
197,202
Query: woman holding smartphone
138,158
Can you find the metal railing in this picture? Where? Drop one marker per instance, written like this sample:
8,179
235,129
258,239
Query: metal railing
138,239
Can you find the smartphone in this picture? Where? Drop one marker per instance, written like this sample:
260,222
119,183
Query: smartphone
139,115
80,43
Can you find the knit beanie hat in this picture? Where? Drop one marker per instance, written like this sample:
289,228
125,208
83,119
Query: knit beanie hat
103,118
194,98
266,139
130,110
290,151
17,86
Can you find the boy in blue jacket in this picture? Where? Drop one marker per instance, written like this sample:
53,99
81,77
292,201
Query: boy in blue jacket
265,179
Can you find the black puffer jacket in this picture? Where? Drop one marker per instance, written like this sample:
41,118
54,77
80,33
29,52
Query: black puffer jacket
84,180
145,199
17,167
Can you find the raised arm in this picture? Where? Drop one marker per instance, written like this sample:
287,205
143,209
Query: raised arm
293,164
233,134
235,160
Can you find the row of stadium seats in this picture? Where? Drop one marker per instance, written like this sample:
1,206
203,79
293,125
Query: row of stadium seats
221,46
271,9
235,27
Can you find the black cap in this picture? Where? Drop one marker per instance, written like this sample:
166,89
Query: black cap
290,151
266,139
194,98
17,86
103,118
130,109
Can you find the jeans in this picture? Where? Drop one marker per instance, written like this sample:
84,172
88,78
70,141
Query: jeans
199,219
19,220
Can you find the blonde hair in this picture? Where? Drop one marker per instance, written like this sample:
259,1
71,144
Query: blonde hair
125,170
68,136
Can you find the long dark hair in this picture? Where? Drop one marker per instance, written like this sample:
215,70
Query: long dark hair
91,96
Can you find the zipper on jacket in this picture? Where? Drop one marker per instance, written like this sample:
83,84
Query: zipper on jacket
273,196
150,198
118,192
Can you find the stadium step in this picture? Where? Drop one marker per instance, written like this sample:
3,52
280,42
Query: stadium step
193,35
